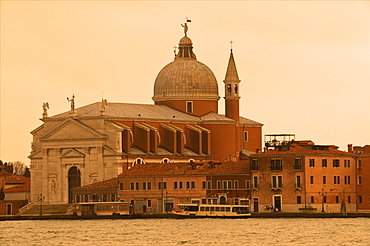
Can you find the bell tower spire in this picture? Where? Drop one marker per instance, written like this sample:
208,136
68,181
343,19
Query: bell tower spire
232,90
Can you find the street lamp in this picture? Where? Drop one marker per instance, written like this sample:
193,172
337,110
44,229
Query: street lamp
322,194
41,198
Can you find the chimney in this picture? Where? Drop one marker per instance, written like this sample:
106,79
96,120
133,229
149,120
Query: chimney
350,148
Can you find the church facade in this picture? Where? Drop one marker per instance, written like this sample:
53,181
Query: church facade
101,140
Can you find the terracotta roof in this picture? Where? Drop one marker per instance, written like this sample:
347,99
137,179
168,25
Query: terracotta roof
165,169
109,183
19,188
16,179
304,150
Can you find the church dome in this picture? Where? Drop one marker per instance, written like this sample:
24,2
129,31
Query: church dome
185,78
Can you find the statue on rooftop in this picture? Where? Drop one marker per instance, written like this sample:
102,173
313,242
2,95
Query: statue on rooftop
72,100
45,107
185,26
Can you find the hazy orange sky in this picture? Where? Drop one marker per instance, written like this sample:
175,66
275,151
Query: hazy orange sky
304,66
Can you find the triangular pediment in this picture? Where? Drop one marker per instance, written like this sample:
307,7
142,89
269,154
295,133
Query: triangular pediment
36,155
72,153
71,129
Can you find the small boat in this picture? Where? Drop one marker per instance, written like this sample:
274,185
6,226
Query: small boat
212,211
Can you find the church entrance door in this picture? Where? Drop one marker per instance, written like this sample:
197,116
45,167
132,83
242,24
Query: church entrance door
74,180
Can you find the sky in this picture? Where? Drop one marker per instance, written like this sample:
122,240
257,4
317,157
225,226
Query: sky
304,65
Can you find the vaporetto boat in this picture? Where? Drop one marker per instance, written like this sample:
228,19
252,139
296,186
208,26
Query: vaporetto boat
207,210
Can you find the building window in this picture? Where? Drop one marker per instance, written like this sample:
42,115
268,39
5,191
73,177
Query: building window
113,198
236,184
144,185
255,182
245,136
324,199
359,180
180,185
336,179
189,107
132,186
347,163
312,162
276,164
277,182
137,186
323,179
162,185
336,163
324,163
298,164
229,185
254,166
247,184
299,200
104,198
192,185
219,185
175,187
209,185
359,199
149,185
86,198
138,161
311,179
349,199
236,201
188,185
336,199
204,185
165,160
359,163
121,186
78,199
347,179
298,182
149,202
312,199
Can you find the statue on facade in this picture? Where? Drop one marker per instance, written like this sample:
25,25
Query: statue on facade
45,107
72,100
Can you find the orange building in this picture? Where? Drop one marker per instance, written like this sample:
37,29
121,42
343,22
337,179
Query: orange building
16,190
157,188
293,176
363,176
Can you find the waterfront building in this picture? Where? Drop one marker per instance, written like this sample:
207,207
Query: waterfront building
103,191
363,176
15,192
158,188
101,140
293,176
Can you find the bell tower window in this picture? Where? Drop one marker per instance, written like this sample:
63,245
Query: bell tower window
189,107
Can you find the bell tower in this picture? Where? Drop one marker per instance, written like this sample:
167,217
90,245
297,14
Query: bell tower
232,90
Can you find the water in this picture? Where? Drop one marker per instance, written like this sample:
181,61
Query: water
253,231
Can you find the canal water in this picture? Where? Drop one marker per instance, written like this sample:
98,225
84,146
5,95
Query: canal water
252,231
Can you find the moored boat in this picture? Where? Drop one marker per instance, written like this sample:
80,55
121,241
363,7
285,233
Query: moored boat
213,211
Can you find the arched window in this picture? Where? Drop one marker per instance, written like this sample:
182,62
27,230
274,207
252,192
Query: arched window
113,198
86,198
95,198
165,160
104,198
138,161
